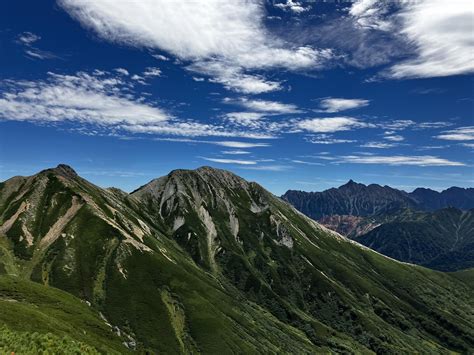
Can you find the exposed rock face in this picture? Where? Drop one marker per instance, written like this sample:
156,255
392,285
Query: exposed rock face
351,199
354,199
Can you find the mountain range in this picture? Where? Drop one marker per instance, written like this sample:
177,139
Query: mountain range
202,261
426,227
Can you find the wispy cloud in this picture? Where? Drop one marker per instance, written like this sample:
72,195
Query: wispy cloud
422,160
235,152
332,105
327,139
27,40
104,101
458,134
304,162
227,144
378,145
231,161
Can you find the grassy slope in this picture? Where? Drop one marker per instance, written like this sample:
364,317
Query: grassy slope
34,317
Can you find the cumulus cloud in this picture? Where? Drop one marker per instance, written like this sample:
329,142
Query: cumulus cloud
293,6
332,105
458,134
330,124
223,32
268,107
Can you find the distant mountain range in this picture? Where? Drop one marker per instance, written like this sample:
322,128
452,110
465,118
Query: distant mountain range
425,227
202,261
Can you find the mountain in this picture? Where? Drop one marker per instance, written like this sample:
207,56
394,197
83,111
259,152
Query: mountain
202,261
355,199
351,199
430,200
442,240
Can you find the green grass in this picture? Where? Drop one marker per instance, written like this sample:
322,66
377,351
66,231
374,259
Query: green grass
44,315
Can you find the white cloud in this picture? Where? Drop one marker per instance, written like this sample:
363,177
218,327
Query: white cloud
151,71
327,139
233,78
235,152
458,134
330,124
192,129
293,6
231,161
269,107
28,38
423,160
378,145
469,145
370,14
439,33
231,33
332,105
243,145
104,101
122,71
77,98
274,167
227,144
303,162
394,138
160,57
442,33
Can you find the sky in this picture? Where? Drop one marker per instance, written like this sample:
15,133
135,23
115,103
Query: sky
291,94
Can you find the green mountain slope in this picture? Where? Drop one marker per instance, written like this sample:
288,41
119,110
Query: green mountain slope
203,261
442,240
35,318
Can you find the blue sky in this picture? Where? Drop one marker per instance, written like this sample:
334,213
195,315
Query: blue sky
300,95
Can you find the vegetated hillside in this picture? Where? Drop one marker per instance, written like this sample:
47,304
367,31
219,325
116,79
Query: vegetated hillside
36,319
204,261
442,240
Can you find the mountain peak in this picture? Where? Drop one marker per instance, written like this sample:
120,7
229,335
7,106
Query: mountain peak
62,170
65,170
